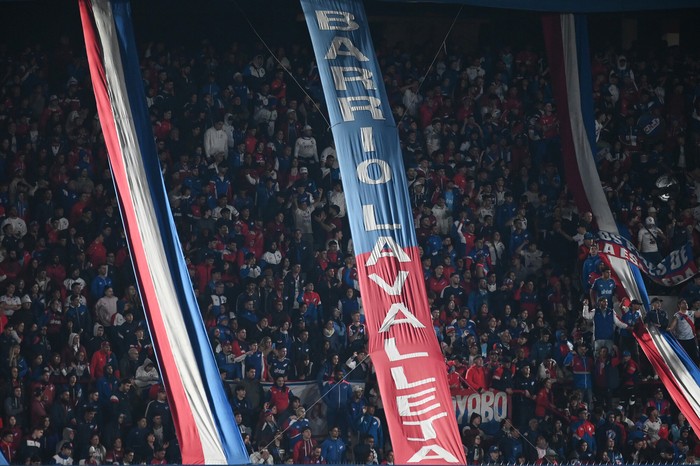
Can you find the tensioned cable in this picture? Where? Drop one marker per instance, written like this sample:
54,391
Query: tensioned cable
443,45
322,397
288,71
511,423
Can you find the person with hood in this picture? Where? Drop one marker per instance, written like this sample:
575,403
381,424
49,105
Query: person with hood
94,342
146,375
70,352
100,359
229,128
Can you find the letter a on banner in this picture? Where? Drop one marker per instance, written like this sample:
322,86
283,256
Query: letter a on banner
410,365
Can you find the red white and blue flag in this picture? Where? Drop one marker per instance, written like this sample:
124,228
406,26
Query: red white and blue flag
202,415
566,38
402,343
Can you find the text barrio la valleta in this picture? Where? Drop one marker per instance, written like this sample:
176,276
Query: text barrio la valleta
420,411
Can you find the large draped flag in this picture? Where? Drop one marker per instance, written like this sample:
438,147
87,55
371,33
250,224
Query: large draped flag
566,38
202,415
403,346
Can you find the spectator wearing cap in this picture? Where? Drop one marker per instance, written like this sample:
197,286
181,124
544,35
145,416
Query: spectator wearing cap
477,376
268,428
604,322
661,404
656,315
649,239
494,455
682,326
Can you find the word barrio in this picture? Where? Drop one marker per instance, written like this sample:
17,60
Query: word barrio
403,346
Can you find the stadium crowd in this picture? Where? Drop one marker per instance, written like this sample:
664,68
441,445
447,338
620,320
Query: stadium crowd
514,277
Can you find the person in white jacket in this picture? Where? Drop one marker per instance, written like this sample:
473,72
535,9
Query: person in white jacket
216,140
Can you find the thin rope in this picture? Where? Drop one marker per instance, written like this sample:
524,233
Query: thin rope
511,425
322,397
443,45
288,71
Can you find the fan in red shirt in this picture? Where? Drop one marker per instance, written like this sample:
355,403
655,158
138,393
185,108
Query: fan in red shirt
477,376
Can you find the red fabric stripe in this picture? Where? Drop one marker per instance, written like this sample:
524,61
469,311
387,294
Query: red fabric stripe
551,27
185,426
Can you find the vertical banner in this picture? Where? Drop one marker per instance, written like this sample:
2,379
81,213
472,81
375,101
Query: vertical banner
410,366
566,38
202,415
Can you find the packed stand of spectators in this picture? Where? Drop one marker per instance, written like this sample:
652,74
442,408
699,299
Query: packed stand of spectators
257,196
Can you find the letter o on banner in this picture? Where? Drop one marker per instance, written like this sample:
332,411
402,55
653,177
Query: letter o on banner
363,171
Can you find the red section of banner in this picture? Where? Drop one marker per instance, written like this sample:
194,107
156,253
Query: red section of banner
410,366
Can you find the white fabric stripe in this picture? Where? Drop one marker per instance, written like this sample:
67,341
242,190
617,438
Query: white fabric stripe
149,231
683,378
584,156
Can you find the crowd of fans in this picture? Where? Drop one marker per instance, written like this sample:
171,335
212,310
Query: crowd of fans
257,196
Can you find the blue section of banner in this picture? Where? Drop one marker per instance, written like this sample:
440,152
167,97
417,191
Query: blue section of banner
231,440
362,126
570,6
3,460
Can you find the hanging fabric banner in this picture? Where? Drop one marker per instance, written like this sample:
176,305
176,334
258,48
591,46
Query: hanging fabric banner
410,366
566,38
202,415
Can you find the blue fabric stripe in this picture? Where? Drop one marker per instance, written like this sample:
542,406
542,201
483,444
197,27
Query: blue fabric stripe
231,440
688,363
